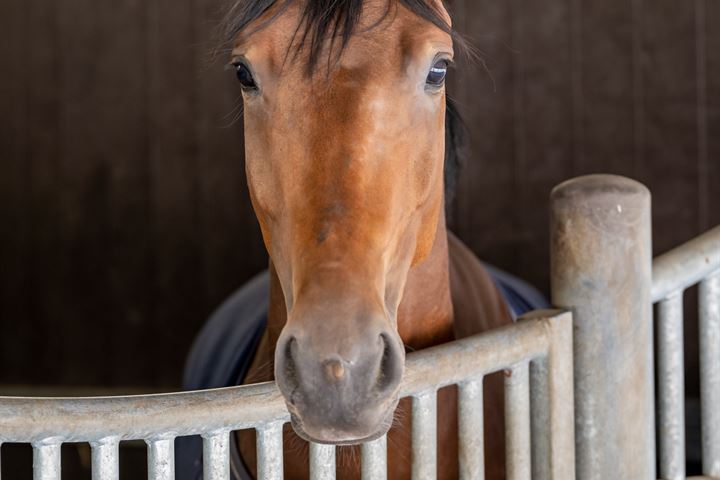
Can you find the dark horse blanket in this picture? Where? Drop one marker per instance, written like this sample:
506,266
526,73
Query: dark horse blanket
224,349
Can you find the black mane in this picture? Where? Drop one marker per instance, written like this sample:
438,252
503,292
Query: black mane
339,19
455,150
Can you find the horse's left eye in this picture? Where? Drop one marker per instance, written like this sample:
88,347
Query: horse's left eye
438,72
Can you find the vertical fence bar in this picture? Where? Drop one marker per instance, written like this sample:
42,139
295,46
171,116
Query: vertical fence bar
105,459
540,425
471,430
551,401
710,373
270,451
671,388
424,436
601,270
216,456
374,459
46,461
517,423
161,459
322,462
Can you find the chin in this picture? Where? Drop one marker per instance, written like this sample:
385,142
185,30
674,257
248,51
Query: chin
329,435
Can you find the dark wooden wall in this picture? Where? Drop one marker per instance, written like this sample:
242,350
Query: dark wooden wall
576,87
124,217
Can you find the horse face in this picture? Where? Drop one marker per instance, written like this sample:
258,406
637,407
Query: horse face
345,170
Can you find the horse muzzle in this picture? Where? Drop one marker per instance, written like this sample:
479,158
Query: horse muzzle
341,387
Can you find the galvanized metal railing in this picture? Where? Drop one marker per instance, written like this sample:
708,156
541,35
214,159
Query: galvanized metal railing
697,261
537,352
603,271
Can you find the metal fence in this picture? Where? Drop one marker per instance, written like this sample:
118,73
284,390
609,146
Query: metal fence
537,352
602,270
580,395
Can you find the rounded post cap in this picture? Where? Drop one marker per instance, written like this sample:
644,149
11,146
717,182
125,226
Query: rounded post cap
599,184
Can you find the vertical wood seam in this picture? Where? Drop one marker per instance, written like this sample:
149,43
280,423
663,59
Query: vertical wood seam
702,123
519,150
576,82
638,89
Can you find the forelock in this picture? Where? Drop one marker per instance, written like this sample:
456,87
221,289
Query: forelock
322,21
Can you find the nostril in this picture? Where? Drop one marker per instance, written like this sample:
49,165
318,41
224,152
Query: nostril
289,370
390,365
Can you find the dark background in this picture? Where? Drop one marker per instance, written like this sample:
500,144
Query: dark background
124,216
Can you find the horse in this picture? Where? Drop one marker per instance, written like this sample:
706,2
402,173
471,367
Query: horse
351,149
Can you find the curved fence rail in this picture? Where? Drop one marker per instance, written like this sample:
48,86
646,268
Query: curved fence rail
686,265
537,351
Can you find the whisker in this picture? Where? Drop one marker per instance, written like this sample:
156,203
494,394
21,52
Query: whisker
238,106
236,112
264,372
295,444
475,56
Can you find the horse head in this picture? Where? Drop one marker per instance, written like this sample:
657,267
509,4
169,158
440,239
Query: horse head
344,111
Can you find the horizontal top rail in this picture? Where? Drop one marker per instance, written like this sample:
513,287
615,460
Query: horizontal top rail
449,364
686,265
94,419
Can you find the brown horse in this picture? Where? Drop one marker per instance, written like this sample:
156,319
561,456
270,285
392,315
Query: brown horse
345,114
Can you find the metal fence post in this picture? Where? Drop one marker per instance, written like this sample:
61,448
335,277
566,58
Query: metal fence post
551,400
601,270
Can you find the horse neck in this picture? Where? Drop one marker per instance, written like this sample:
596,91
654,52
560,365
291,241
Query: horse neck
425,315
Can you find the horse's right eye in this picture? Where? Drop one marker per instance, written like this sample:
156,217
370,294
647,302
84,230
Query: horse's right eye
245,77
437,74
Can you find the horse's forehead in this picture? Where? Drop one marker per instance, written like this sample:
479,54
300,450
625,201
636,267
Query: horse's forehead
385,31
